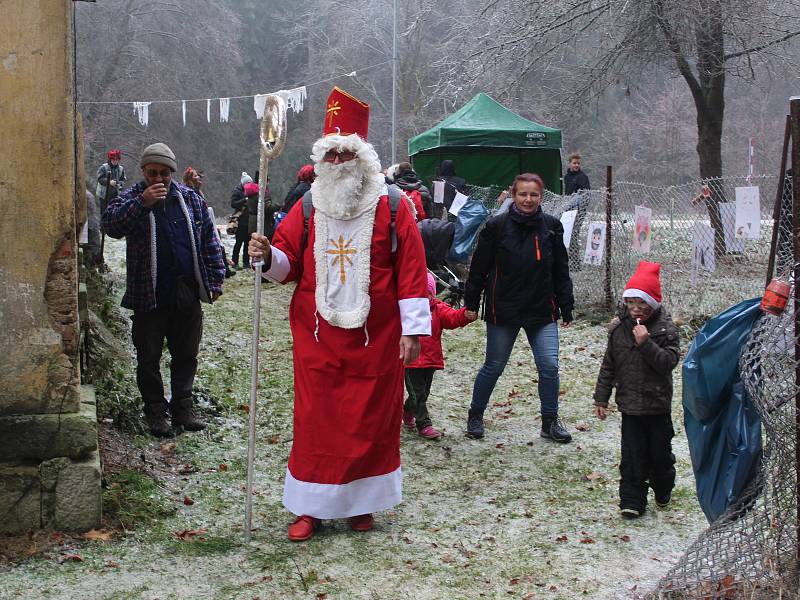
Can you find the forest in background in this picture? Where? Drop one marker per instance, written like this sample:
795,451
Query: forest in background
597,70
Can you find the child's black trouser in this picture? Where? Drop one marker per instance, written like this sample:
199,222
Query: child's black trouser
418,386
647,459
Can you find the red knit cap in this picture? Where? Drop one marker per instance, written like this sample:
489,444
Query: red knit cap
645,284
251,189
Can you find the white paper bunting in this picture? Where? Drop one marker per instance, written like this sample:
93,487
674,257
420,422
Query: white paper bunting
142,110
208,110
259,103
183,111
224,108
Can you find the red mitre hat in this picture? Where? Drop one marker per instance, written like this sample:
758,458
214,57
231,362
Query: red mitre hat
345,115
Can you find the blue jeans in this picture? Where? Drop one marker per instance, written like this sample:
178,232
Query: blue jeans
499,343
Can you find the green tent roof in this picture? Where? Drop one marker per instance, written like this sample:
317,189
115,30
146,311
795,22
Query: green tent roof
485,122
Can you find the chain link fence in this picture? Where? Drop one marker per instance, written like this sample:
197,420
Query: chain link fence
691,229
751,551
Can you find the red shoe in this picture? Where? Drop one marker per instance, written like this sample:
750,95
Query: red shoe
303,528
408,420
429,432
362,522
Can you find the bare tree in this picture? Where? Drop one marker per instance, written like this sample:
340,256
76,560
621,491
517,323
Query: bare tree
704,41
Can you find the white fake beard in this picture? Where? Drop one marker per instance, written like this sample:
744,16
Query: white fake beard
346,190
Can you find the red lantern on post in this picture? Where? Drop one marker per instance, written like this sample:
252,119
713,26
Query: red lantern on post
775,296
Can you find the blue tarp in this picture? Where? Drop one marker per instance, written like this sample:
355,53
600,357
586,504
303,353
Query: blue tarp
469,220
722,427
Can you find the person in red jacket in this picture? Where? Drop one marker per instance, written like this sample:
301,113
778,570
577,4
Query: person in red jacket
419,374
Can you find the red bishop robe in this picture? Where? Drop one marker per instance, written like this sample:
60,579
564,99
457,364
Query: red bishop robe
348,383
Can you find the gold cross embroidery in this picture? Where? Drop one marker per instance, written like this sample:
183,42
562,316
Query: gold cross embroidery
333,110
340,252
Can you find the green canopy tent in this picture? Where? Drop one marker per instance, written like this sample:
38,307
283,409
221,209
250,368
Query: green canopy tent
490,145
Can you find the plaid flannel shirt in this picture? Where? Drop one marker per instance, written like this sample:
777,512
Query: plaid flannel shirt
126,216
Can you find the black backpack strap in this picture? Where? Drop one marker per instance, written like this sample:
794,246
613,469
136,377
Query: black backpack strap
307,207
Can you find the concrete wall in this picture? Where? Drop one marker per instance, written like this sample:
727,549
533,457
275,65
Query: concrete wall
39,325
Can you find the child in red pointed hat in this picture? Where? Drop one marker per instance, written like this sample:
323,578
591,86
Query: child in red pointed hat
641,353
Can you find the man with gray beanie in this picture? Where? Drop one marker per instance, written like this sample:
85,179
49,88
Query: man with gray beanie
174,262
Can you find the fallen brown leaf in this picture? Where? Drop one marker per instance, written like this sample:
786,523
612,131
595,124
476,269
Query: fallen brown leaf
186,469
167,448
587,540
582,427
561,538
223,467
188,534
625,538
273,439
593,476
514,581
188,501
98,534
447,558
70,556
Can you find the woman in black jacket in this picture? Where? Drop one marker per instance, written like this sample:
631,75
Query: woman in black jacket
521,267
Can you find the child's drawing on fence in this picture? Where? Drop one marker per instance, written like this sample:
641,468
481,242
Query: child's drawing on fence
727,212
642,232
703,251
748,213
595,242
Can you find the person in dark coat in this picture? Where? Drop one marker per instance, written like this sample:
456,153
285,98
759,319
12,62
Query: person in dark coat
641,354
404,177
452,184
576,181
252,209
173,261
305,177
239,203
520,266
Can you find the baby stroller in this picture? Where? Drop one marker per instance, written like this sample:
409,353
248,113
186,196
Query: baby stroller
437,238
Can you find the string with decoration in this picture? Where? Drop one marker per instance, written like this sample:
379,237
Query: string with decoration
295,99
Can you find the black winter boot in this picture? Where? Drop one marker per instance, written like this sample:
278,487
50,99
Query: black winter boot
553,429
475,424
183,415
155,413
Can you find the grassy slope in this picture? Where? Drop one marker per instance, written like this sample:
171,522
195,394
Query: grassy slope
509,516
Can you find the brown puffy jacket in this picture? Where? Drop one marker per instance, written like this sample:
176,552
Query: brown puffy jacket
641,374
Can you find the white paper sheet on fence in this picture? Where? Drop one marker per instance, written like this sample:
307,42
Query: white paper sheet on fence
642,232
458,202
595,243
224,109
748,213
438,192
703,251
568,221
727,211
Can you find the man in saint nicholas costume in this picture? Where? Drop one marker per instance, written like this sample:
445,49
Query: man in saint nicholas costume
359,305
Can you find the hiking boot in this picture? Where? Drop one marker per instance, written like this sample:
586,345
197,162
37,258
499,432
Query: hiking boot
552,429
429,432
183,415
630,513
663,501
155,413
408,420
302,528
475,424
362,522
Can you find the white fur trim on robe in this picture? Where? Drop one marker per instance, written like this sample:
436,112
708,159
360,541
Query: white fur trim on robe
337,501
278,268
415,316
